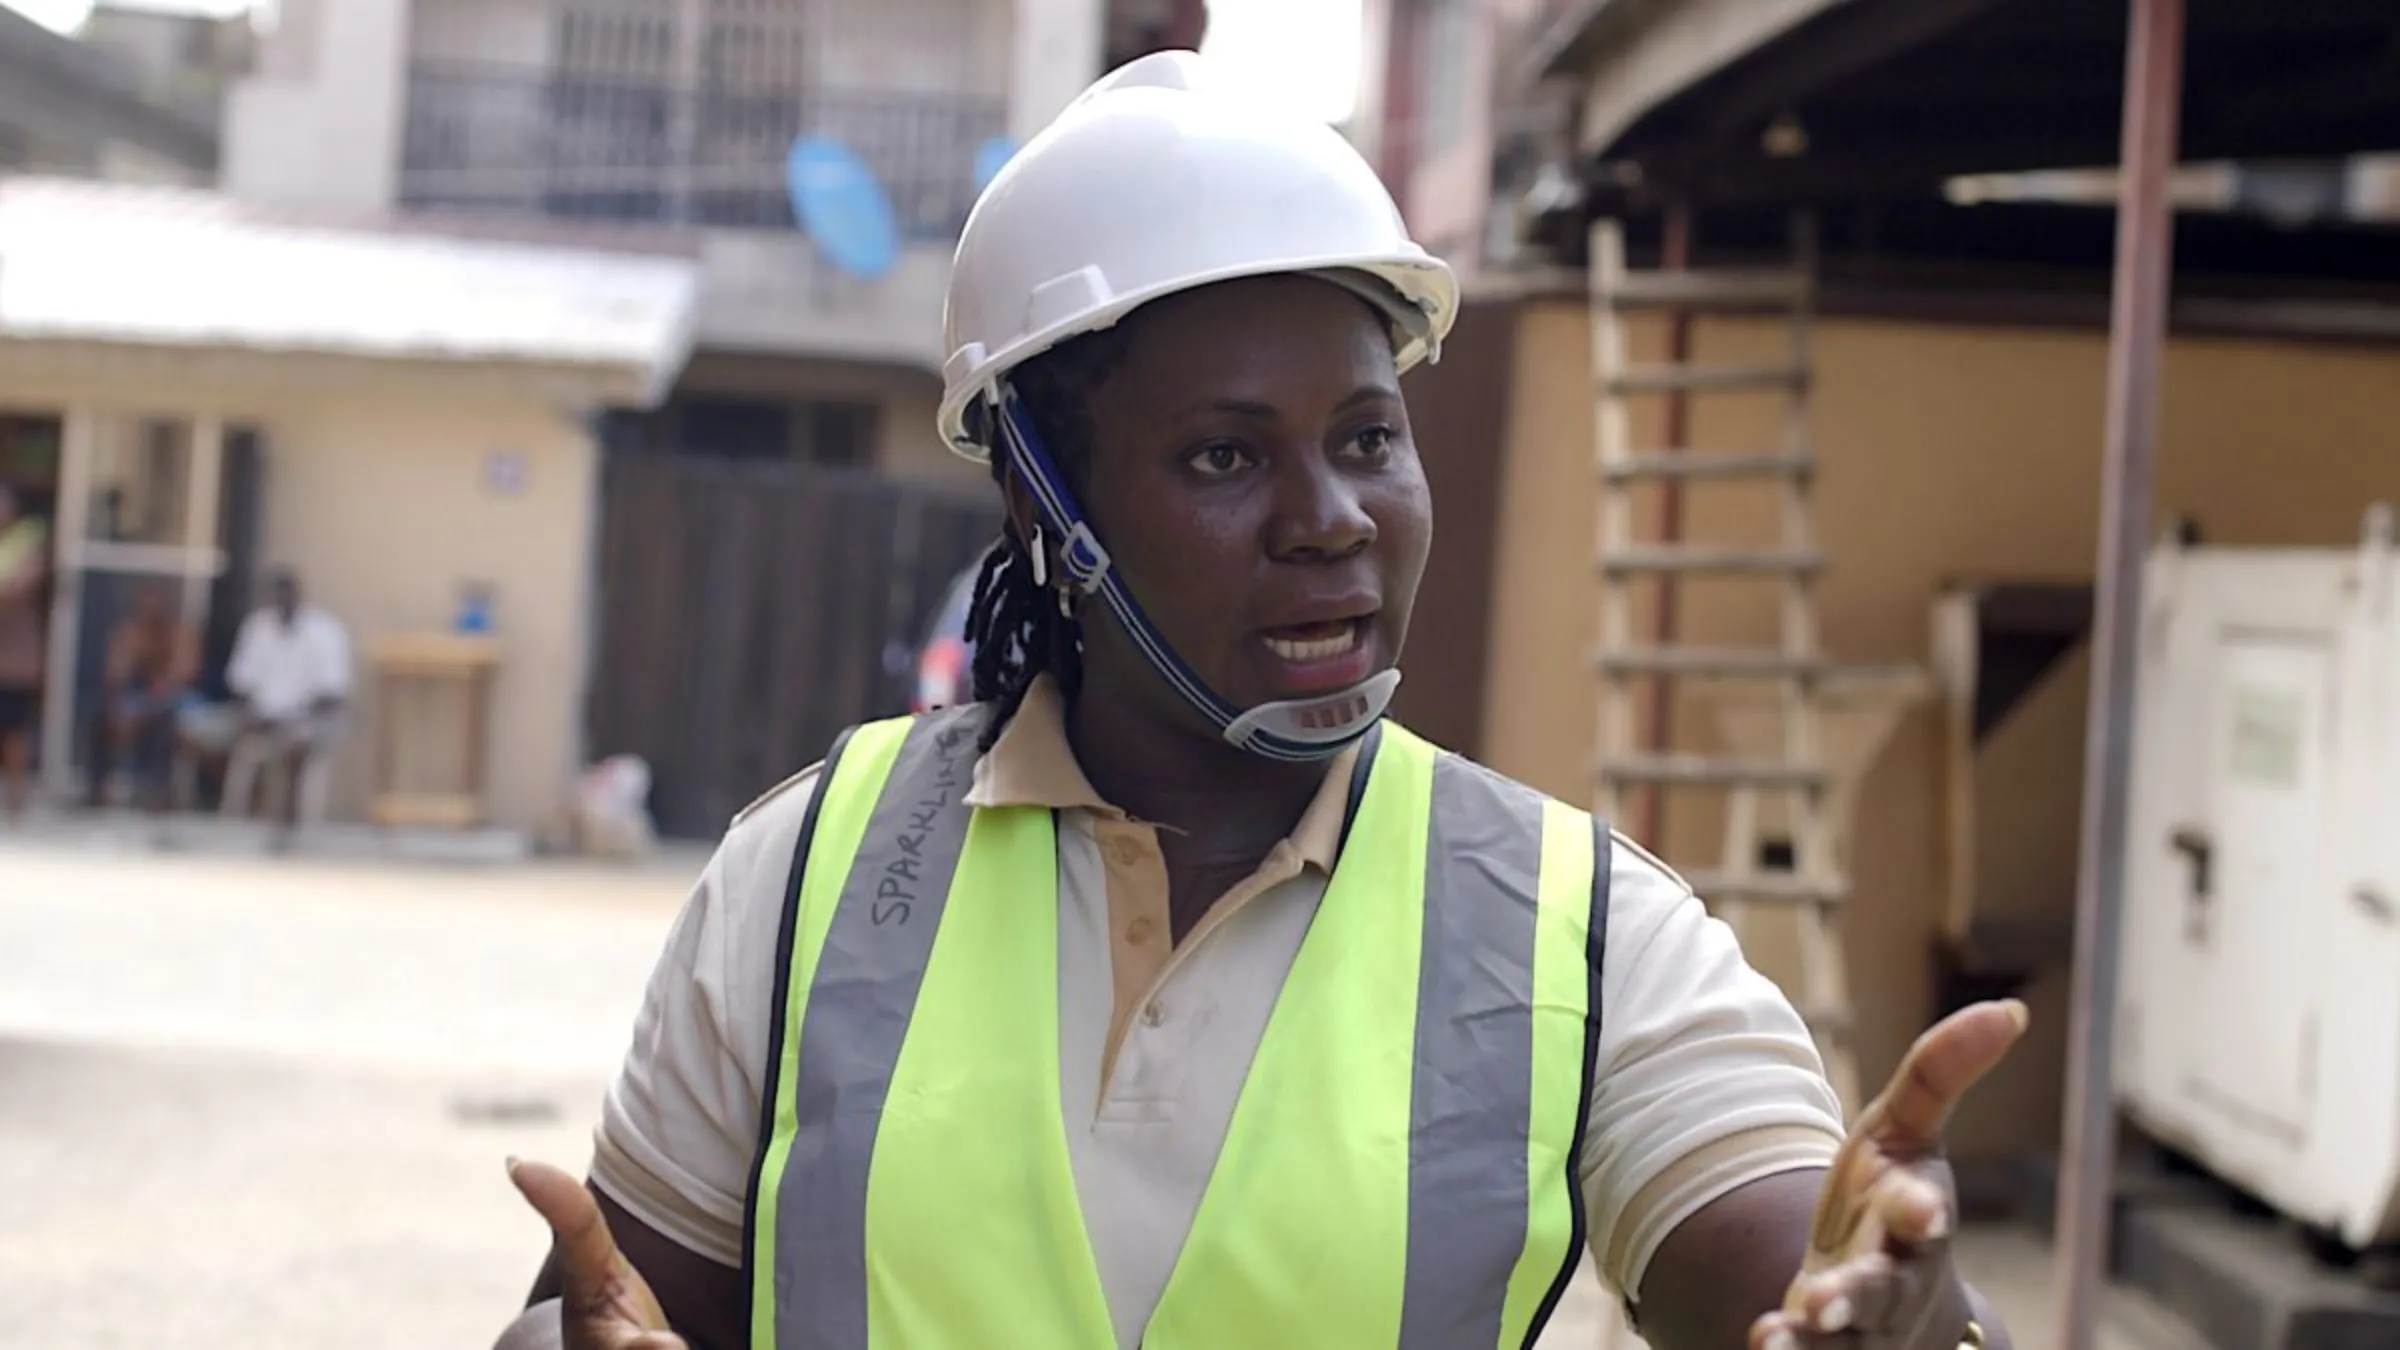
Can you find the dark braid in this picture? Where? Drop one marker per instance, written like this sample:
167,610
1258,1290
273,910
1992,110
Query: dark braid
1015,625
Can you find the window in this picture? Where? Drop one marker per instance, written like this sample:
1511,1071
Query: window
748,430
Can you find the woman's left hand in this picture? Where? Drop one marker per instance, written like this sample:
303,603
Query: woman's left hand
1878,1274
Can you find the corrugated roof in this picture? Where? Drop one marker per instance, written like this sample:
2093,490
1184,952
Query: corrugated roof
111,262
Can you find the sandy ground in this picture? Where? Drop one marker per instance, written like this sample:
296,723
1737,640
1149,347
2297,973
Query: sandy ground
255,1103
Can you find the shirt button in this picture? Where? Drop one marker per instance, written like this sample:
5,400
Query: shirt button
1139,931
1153,1013
1125,851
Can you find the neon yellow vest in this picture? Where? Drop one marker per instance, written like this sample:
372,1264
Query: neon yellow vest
1399,1169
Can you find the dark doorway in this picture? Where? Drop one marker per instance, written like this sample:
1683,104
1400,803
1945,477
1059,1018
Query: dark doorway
747,614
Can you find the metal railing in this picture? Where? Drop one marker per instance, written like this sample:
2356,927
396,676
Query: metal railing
624,150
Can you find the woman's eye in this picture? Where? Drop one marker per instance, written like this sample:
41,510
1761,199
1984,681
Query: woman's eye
1220,459
1374,443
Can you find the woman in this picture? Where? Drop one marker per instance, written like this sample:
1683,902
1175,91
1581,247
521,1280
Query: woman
1170,996
24,565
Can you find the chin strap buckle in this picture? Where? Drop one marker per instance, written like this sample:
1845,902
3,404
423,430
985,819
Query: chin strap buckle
1080,555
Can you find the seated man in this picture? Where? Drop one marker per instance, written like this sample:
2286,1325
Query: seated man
152,660
290,679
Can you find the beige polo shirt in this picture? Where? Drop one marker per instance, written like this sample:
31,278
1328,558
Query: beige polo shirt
1706,1080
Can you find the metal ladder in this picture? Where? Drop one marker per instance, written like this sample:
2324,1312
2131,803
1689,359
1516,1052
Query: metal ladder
1740,887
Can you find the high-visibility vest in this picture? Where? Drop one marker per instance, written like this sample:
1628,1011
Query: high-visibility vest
1399,1171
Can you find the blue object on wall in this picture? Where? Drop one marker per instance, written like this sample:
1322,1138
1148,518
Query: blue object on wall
842,206
474,616
990,157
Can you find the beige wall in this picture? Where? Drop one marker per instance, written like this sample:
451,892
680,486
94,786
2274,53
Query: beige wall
1947,451
384,507
376,493
1054,50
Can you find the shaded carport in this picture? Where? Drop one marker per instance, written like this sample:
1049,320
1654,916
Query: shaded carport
1731,113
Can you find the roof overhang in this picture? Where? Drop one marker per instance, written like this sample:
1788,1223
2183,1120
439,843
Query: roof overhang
1632,56
89,263
1894,97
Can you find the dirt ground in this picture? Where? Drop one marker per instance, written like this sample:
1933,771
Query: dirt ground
251,1102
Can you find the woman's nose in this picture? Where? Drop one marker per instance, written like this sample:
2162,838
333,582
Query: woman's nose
1318,513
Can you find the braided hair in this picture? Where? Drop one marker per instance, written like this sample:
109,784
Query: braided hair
1017,627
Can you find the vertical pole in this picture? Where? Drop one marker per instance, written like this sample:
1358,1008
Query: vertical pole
203,560
2145,239
79,442
683,109
1675,255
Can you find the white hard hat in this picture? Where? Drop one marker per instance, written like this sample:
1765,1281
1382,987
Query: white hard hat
1152,182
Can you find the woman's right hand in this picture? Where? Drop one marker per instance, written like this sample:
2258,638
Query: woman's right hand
604,1303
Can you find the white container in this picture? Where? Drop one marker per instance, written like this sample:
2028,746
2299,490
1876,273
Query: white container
2259,1013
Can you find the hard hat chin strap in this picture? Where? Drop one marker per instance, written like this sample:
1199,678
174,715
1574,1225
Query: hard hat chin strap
1293,730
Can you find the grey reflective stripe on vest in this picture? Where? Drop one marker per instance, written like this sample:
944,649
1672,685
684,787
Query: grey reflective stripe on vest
876,949
1472,1101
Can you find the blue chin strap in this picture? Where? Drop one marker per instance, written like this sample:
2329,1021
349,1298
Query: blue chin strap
1292,730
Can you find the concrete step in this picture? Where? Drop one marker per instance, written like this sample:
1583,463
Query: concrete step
2248,1283
2191,1246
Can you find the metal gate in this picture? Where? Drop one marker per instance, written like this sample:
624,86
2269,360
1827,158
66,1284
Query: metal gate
749,613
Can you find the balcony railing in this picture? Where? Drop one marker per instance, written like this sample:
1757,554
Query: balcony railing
626,151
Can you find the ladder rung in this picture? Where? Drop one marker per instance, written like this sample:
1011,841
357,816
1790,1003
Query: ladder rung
1767,888
1690,558
1689,464
1732,288
1730,663
1709,771
1705,379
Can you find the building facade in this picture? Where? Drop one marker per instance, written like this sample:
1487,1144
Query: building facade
676,117
69,107
400,444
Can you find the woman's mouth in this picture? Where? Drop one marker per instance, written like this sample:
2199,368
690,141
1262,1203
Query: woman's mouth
1320,657
1311,642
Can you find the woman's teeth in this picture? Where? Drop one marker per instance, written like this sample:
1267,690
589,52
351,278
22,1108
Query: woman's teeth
1304,650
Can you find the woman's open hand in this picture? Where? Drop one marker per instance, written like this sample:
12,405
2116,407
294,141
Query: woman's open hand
1878,1273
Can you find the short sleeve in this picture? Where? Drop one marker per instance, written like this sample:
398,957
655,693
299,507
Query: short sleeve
1706,1078
241,670
679,1127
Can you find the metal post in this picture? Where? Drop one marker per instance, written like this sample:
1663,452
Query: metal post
2145,238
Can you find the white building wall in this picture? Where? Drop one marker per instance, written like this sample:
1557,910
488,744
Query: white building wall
323,122
319,126
1054,53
